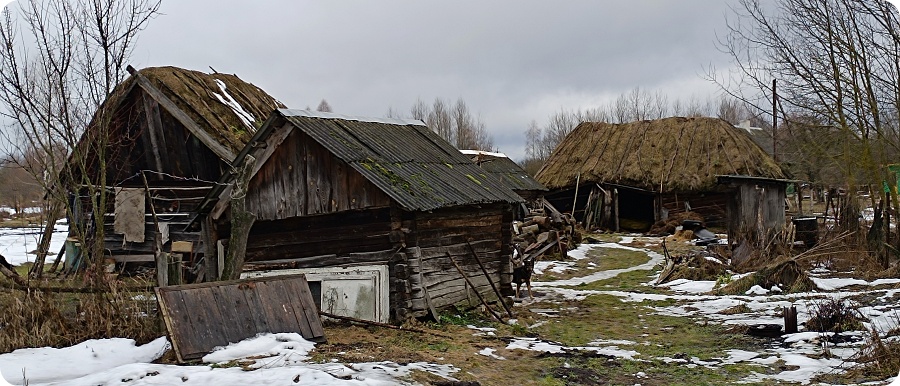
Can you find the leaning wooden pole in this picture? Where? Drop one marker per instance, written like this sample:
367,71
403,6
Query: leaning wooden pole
466,278
488,276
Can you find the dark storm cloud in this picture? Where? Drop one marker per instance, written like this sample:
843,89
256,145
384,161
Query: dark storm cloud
512,61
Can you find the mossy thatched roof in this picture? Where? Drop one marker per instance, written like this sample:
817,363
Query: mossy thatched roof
665,155
222,114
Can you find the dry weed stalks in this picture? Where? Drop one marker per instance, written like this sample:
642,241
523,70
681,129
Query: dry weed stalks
34,318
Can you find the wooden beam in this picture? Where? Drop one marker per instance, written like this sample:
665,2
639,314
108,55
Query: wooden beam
134,258
195,129
155,133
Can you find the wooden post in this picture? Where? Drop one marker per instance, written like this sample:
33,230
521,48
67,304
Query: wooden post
241,221
575,200
210,251
162,262
175,269
616,207
466,278
790,320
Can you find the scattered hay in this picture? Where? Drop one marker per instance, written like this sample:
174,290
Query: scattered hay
668,225
699,265
787,275
738,309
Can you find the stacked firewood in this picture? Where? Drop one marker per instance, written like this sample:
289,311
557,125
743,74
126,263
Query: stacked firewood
545,231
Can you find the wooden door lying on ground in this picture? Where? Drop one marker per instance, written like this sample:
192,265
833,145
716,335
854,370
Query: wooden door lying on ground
201,317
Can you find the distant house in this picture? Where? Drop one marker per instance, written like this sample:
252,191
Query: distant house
177,129
628,176
383,197
505,170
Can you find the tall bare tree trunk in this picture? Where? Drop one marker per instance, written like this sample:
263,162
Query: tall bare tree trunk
241,221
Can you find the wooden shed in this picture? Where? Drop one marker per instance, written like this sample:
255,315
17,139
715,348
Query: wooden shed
628,176
172,134
337,191
508,172
755,208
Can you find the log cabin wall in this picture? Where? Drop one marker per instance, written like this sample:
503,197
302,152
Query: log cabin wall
302,178
433,276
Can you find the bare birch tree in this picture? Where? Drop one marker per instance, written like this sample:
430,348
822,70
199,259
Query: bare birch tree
59,60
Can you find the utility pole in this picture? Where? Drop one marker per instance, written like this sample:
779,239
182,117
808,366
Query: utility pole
774,122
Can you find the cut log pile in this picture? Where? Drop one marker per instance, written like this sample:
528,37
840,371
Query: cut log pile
545,230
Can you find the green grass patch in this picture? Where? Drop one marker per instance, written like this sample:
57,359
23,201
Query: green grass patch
606,317
598,259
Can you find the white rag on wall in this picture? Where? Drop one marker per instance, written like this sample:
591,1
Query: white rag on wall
130,214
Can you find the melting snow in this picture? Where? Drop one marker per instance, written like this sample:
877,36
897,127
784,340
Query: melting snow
227,100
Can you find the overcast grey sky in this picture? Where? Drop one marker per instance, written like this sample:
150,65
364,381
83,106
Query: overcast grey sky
511,61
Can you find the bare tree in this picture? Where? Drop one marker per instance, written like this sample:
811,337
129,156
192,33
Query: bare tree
59,60
323,106
440,120
835,65
419,110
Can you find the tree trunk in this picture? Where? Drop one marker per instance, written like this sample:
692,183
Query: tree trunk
43,249
241,222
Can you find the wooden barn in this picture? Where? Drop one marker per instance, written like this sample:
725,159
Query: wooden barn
508,172
383,201
628,176
172,134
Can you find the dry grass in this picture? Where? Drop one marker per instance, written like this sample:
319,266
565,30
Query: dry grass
788,275
35,318
834,315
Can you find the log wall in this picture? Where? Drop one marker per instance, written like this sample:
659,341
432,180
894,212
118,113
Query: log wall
432,275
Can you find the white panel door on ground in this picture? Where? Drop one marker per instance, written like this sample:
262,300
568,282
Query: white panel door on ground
354,298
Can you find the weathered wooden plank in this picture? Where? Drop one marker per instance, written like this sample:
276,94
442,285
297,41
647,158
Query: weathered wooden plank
275,309
174,314
202,316
242,319
294,309
306,309
296,251
144,258
257,315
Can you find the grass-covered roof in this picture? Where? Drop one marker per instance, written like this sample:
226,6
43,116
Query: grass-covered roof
664,155
231,115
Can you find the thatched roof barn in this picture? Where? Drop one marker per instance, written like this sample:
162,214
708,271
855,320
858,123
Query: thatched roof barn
666,165
332,191
181,130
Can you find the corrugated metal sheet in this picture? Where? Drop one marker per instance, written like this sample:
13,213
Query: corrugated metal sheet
405,159
505,170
